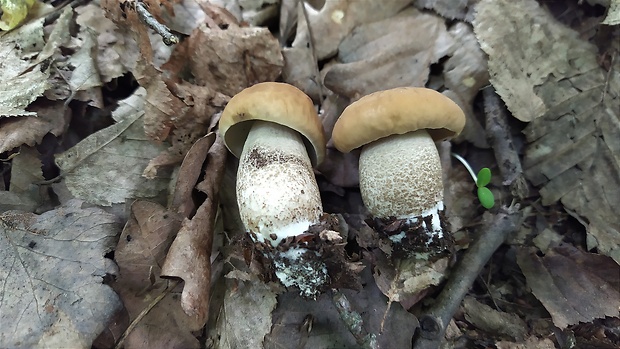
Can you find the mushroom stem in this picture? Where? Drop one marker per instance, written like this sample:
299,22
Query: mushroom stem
277,192
400,176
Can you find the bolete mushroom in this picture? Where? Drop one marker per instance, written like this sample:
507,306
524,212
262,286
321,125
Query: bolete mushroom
275,132
400,171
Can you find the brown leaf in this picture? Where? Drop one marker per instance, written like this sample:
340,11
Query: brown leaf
52,268
140,254
190,171
30,130
230,60
572,105
574,286
189,257
383,55
335,20
116,53
515,52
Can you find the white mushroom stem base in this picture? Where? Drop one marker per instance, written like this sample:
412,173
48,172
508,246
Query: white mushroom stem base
277,192
400,176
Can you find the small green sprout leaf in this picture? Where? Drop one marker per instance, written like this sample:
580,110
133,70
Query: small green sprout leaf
486,197
484,177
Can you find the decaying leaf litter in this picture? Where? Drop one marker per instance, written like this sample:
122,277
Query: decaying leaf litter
102,124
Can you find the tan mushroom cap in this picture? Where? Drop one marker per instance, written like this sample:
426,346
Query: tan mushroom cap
397,111
274,102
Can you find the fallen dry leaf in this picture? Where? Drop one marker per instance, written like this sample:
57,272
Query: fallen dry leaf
189,173
25,173
252,12
245,316
116,53
30,130
383,55
106,167
233,59
517,70
572,103
22,83
52,266
531,342
337,18
574,286
140,255
189,257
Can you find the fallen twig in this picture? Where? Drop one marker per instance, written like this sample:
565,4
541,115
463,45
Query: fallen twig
498,132
433,324
163,31
353,321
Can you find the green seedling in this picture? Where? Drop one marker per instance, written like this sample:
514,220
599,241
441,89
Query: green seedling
482,180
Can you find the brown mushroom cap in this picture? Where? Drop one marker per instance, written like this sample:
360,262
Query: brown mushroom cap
397,111
274,102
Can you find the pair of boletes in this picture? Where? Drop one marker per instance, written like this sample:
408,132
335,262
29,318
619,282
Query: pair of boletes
275,132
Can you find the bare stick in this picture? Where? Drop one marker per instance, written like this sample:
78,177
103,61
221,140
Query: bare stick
163,31
500,139
433,324
353,321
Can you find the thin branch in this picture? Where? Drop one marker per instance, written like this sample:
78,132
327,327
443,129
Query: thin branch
498,132
433,324
353,321
163,31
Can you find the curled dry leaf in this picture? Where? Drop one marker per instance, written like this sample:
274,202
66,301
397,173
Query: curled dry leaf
190,171
189,257
52,266
30,130
572,106
574,286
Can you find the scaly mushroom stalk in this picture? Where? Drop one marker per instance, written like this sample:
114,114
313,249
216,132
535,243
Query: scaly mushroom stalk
400,176
277,193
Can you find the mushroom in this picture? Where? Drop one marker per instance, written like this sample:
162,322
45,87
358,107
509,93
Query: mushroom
400,171
275,132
